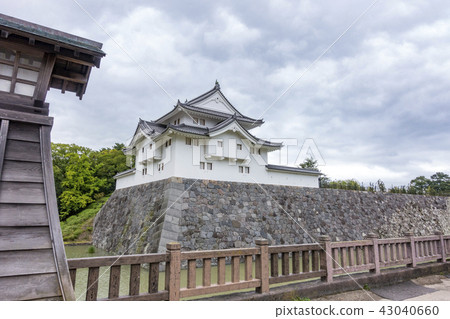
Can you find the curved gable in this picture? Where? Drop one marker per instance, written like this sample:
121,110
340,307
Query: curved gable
215,102
232,124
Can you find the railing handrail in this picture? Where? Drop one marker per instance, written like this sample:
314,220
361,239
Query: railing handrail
290,248
106,261
298,262
232,252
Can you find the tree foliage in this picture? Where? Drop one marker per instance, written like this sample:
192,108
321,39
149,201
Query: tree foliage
437,184
83,175
310,164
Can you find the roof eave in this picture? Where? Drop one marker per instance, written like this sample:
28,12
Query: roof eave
294,170
46,34
125,173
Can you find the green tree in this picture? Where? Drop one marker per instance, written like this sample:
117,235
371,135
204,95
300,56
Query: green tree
108,162
439,184
381,186
310,164
419,185
81,174
61,158
349,184
398,190
79,185
324,182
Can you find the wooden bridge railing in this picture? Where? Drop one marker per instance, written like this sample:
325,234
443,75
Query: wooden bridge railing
256,267
298,262
115,263
220,256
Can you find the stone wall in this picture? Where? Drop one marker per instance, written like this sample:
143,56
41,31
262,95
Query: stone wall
206,214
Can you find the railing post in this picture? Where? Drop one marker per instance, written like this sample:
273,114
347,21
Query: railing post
412,249
173,268
374,253
441,247
262,265
326,261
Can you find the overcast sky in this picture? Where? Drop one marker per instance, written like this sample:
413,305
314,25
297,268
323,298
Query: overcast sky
376,104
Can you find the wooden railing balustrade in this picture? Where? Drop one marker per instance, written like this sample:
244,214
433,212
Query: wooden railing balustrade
115,262
304,260
262,265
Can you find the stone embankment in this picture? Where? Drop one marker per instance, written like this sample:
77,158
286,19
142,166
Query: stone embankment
206,214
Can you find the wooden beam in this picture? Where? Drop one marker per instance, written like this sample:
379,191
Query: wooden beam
53,216
64,86
25,117
24,132
4,34
31,41
14,75
4,125
92,284
44,77
114,282
26,262
23,151
24,238
29,287
66,58
113,260
20,215
72,77
21,193
16,171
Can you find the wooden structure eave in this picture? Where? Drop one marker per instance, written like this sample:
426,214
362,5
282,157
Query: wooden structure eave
74,56
33,260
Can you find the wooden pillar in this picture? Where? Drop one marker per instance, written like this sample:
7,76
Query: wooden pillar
374,253
441,247
262,265
4,125
326,261
174,269
412,249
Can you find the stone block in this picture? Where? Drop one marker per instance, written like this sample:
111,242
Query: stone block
242,212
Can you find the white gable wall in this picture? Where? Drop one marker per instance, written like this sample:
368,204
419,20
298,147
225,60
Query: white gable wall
216,103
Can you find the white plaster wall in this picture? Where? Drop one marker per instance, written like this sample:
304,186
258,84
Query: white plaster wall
215,102
183,160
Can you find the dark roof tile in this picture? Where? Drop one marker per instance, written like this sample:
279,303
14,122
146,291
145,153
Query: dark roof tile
293,169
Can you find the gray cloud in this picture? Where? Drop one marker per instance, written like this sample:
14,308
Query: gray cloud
376,104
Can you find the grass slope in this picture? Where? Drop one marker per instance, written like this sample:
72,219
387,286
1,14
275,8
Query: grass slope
78,228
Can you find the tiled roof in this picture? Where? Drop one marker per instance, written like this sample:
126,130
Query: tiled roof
128,171
218,114
232,119
199,130
154,127
239,117
293,169
51,34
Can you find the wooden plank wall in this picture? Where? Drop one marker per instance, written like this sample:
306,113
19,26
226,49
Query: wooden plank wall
30,267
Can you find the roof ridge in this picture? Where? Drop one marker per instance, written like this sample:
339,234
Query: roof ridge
207,93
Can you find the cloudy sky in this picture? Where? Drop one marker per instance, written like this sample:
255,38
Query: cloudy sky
376,104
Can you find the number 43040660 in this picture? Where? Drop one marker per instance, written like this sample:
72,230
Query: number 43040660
409,310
